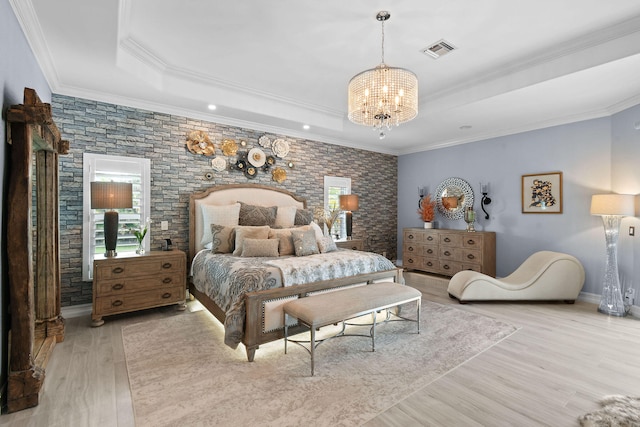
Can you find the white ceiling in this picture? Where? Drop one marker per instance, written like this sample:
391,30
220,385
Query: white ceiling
276,65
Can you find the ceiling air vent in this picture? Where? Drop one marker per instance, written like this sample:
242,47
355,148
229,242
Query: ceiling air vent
438,49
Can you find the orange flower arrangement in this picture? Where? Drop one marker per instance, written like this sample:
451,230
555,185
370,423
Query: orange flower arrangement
427,209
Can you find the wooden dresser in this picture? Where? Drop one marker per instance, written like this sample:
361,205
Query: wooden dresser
446,252
134,282
354,244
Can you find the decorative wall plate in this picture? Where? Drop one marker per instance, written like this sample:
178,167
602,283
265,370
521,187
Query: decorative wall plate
279,175
229,147
280,148
257,157
198,142
219,164
264,141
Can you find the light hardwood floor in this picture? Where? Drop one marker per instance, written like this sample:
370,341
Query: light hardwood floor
554,368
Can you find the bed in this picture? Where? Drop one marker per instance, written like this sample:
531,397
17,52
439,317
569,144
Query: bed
257,287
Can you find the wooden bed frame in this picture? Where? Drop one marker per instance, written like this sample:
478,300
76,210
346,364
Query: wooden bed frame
262,307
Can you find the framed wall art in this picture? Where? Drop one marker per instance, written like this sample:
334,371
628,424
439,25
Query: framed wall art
542,193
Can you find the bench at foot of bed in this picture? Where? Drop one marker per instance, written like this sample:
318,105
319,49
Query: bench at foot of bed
335,307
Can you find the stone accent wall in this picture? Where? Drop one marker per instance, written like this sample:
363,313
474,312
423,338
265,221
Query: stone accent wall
97,127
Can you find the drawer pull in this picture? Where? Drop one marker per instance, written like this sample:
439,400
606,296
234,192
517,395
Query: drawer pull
429,251
430,264
410,261
410,236
166,265
430,238
447,253
166,295
470,256
471,242
446,267
446,239
117,286
117,303
117,270
167,280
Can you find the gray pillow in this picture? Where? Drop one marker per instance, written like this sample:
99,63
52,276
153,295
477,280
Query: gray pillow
326,244
304,242
252,215
222,239
260,248
303,217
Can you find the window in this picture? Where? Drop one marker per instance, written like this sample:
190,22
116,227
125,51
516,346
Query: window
99,167
334,186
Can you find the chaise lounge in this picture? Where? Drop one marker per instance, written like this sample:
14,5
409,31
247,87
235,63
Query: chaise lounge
543,276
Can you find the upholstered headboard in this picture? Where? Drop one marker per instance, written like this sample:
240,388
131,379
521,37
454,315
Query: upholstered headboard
254,194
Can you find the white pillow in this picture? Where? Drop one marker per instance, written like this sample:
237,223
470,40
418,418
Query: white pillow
220,215
318,230
285,216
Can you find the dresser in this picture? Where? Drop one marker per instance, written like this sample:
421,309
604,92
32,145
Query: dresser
134,282
447,252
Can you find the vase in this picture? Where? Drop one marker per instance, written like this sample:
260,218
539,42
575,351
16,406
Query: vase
428,224
469,218
140,249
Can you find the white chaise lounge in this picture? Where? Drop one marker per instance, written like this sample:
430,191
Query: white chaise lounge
543,276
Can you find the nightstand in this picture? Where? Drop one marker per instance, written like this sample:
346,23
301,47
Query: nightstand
131,282
354,244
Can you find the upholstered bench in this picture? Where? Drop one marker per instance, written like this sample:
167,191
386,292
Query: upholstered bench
329,308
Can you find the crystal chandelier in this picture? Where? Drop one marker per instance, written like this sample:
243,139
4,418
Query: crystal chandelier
384,96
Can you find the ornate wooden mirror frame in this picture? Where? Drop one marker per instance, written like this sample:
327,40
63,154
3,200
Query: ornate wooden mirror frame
33,271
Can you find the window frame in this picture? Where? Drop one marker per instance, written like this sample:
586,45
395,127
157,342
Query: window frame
95,163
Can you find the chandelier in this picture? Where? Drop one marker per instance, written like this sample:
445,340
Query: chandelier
384,96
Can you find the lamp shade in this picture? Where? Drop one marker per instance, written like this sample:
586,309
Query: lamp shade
613,204
349,202
111,195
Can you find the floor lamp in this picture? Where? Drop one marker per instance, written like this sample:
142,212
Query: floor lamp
111,195
612,207
349,203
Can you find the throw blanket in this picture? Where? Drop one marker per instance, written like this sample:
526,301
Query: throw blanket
226,279
331,265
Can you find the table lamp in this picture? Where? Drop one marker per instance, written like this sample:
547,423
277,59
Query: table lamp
612,207
111,195
349,203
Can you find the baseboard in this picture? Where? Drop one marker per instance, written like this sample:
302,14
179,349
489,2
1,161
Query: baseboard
76,310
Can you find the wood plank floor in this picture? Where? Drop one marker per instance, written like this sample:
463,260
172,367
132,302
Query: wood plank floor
554,368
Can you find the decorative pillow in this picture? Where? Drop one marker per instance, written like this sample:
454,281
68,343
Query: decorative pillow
222,242
326,244
304,242
285,216
303,217
242,233
286,241
221,215
251,215
260,247
317,229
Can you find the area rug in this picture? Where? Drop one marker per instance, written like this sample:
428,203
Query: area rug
616,411
182,374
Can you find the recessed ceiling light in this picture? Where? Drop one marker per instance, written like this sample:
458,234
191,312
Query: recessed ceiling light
211,107
465,127
306,127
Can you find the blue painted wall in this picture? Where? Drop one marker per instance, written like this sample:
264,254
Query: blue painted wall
18,69
590,154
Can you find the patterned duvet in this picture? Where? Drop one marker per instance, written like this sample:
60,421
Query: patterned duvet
226,278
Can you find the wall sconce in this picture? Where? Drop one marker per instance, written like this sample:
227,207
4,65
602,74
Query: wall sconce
484,189
422,191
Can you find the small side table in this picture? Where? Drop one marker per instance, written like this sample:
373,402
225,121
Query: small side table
354,244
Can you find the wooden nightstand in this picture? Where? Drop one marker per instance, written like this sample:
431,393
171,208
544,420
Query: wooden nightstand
134,282
355,244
